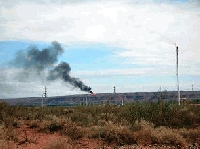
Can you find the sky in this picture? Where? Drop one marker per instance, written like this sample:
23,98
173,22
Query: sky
128,44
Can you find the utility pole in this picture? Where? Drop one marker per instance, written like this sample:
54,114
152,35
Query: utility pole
86,101
114,89
45,96
159,90
123,100
45,92
42,101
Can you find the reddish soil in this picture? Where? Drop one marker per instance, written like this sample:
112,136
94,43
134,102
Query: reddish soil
32,139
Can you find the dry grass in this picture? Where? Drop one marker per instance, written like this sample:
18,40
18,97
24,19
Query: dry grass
112,134
191,135
73,131
9,134
148,134
59,144
8,145
49,126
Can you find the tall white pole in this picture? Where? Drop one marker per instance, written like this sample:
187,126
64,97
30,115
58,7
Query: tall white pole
179,101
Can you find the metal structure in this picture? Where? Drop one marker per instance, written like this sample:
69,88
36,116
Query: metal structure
45,92
179,101
42,101
44,96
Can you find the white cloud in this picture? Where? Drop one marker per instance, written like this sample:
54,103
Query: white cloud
120,21
115,72
138,28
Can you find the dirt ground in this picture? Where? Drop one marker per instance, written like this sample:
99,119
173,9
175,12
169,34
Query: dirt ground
32,139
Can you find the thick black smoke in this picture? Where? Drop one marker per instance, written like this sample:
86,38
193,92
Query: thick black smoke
39,60
63,71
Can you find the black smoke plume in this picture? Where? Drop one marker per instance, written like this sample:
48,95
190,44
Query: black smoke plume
39,60
63,71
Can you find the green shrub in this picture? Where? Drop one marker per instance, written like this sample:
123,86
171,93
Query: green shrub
164,114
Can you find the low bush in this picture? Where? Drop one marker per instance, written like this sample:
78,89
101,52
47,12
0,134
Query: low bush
112,134
164,114
191,135
58,144
50,126
149,134
9,134
73,131
33,124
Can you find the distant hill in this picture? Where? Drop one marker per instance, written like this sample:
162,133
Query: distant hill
102,98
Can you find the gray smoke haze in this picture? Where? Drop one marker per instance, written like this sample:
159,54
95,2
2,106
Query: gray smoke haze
35,60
